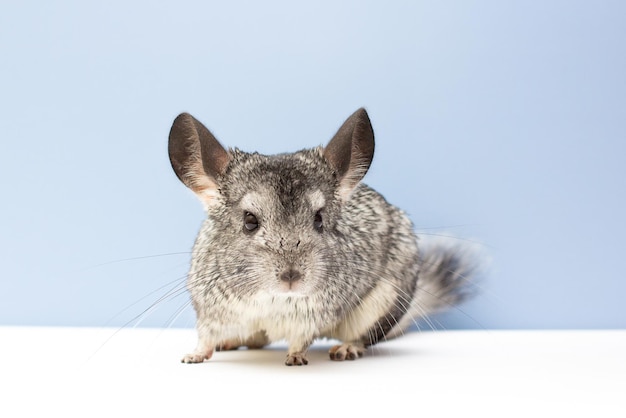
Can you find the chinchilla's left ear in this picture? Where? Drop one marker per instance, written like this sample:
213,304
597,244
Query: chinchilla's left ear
351,150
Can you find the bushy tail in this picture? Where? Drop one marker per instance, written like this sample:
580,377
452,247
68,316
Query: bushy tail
449,268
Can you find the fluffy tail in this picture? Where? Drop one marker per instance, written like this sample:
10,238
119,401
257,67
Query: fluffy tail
448,270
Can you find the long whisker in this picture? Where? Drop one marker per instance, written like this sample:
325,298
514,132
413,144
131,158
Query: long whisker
158,289
142,257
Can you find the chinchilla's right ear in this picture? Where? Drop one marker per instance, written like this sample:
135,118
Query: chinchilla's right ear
196,156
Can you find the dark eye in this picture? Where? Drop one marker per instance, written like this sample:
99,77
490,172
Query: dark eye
317,221
250,222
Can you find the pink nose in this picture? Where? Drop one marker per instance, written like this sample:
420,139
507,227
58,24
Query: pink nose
290,275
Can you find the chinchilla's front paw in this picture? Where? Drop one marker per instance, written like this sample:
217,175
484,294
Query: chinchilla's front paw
192,358
196,357
296,359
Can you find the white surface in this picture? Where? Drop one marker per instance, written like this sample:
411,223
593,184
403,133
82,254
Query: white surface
136,372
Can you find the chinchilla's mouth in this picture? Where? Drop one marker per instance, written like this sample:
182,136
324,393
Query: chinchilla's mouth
284,290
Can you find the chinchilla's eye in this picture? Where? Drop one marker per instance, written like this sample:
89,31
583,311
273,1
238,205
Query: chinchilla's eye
250,222
317,221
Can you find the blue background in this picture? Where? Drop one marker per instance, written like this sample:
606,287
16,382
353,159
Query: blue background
499,122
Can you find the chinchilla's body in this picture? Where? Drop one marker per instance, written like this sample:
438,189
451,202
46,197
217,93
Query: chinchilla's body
295,248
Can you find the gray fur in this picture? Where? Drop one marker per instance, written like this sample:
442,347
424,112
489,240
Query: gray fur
356,278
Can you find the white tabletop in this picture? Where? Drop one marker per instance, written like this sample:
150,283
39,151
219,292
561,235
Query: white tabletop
136,372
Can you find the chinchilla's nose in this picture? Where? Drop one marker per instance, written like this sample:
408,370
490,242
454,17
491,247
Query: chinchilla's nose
290,275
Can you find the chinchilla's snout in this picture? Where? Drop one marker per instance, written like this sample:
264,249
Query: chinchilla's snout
293,260
290,274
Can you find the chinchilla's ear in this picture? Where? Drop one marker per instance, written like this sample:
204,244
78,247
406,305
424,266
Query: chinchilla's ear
196,156
351,150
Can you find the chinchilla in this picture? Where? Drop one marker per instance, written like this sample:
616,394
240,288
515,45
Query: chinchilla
294,247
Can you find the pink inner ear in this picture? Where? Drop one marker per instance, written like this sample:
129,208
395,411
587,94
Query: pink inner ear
351,150
197,157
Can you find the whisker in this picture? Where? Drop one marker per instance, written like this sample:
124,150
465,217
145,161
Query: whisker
427,228
174,317
453,237
142,257
127,308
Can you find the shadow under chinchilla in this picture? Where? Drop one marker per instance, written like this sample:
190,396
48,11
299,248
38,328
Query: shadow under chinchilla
273,356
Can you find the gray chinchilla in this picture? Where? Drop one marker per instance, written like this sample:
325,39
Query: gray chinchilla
296,248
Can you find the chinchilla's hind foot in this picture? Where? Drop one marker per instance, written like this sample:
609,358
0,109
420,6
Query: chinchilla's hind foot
347,351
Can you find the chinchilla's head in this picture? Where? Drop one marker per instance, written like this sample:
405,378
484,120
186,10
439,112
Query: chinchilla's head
272,220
